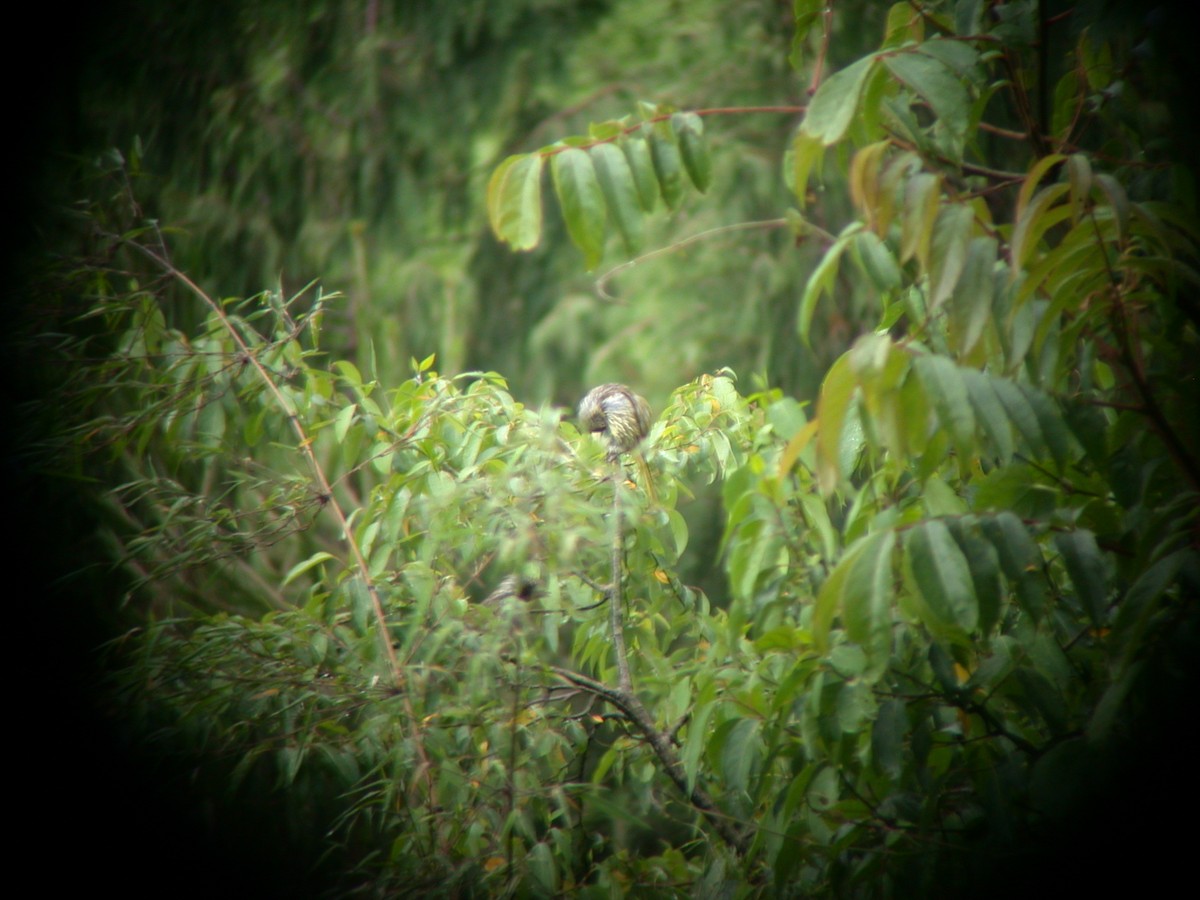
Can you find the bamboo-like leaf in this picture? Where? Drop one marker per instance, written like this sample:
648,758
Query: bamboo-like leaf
1118,200
1079,176
1039,169
304,565
582,202
514,201
835,103
1039,216
620,193
942,575
689,132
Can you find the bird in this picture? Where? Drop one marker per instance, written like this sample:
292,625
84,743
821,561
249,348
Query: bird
618,415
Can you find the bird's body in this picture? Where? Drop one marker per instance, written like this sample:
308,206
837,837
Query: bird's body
618,415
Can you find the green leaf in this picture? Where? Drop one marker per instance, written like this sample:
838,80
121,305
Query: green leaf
343,421
835,103
304,565
1085,565
582,202
1038,218
971,299
637,153
1118,200
942,575
887,738
1020,413
984,562
938,86
1020,559
689,132
806,154
948,251
922,196
877,261
867,598
620,193
948,395
514,201
1051,423
837,392
668,164
1141,600
990,413
822,278
697,736
741,748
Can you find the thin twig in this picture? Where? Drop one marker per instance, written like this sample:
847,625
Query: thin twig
660,743
616,599
603,280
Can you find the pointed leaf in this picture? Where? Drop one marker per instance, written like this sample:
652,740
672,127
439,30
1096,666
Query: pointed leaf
921,198
514,201
1039,216
971,300
822,278
868,598
806,154
620,193
668,164
835,103
1085,565
948,251
689,131
1020,413
582,202
947,393
837,393
942,575
887,738
637,153
984,563
1051,423
938,86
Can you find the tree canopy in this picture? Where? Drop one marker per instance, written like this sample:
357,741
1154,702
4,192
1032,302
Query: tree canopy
898,596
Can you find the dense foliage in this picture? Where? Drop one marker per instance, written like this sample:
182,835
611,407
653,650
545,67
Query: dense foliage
465,656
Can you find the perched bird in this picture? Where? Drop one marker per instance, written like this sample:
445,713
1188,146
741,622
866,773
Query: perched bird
618,415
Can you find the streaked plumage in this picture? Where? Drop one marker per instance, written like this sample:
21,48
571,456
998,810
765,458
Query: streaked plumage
618,415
